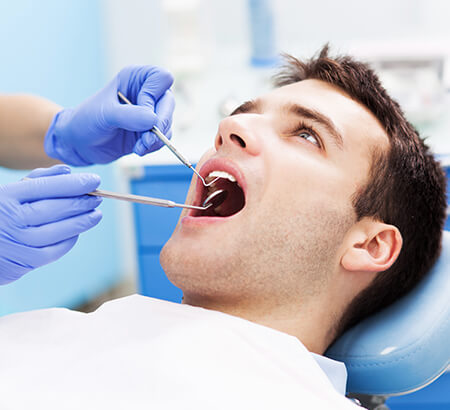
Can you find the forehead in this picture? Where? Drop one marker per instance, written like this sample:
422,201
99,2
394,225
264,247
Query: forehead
353,121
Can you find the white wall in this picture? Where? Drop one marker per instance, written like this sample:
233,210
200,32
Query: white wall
137,29
143,31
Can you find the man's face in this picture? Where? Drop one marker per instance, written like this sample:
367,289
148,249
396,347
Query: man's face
299,153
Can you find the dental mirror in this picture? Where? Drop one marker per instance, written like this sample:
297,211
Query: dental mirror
215,199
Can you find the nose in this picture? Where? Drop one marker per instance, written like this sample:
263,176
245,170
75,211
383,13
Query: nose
238,133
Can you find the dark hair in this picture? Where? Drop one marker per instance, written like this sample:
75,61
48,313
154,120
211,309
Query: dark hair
406,185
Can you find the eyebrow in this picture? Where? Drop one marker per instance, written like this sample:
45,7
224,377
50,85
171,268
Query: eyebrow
251,106
254,106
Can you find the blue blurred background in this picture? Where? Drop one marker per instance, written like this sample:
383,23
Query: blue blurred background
56,49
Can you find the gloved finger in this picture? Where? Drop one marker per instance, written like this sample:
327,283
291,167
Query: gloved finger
130,117
52,210
149,142
36,257
46,172
54,252
48,234
57,186
10,271
157,82
164,111
12,265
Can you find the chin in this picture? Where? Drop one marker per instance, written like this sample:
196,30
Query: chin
194,269
182,261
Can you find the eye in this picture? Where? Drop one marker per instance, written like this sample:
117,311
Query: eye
308,136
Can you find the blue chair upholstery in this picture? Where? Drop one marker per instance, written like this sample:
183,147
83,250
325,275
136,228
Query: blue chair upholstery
407,345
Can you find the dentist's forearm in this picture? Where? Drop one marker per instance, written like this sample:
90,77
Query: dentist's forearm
24,120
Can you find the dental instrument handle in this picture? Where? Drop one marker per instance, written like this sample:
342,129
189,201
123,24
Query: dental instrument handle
141,199
167,143
123,98
161,136
144,200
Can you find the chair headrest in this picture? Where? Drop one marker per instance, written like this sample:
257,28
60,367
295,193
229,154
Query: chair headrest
407,345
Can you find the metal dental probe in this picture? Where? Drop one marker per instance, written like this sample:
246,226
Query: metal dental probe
166,203
215,199
146,200
169,145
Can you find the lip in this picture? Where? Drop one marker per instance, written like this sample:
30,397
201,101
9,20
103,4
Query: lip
214,164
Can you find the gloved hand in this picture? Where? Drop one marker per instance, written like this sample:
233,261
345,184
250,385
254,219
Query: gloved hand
102,129
41,218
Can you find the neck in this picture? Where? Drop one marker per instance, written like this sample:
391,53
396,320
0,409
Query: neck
310,323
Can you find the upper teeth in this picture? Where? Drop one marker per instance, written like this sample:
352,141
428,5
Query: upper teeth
221,174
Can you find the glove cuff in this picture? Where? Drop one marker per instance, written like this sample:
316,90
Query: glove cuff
54,144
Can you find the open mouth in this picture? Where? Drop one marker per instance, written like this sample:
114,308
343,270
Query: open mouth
227,204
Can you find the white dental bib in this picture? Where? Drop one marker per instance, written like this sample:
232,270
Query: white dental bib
143,353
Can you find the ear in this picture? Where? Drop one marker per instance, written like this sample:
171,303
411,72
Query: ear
371,246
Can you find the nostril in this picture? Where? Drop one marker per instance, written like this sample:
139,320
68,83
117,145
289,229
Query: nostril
238,139
220,141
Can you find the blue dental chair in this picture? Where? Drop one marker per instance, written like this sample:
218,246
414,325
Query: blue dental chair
403,348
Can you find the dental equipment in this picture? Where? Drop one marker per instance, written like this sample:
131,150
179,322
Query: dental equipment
148,200
169,145
218,197
166,203
215,199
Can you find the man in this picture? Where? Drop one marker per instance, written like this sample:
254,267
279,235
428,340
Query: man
335,208
40,220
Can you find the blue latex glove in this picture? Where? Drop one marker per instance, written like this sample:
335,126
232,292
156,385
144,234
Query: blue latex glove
40,219
102,129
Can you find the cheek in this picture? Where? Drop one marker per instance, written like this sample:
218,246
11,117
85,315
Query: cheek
306,206
301,237
317,189
300,175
